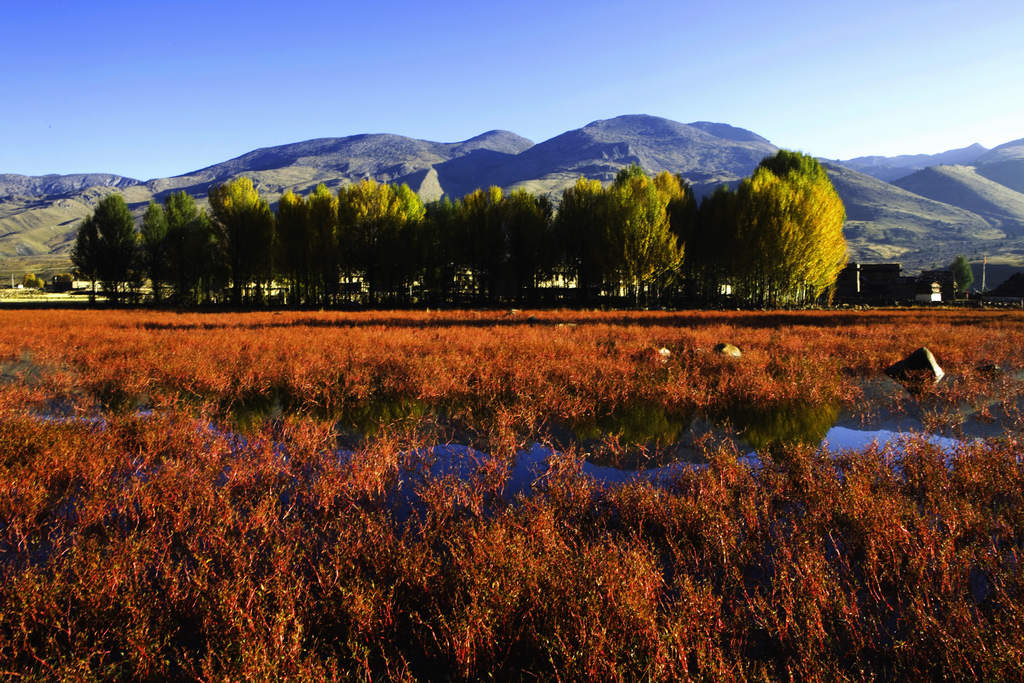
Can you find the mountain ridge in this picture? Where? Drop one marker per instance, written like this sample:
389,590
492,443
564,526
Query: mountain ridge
885,221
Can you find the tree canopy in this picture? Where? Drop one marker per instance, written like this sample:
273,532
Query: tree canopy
776,240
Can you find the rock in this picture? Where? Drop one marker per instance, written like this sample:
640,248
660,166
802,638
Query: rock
726,349
921,364
990,368
665,354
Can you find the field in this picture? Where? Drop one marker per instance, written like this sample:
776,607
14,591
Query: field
459,494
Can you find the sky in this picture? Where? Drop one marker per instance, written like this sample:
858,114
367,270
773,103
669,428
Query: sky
153,89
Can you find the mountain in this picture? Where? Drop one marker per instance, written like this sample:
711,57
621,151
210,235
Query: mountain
924,219
891,168
335,161
888,223
964,187
13,185
1004,164
706,154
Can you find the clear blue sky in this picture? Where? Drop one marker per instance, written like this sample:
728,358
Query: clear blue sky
155,89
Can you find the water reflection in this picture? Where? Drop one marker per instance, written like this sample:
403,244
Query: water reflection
636,423
785,423
633,436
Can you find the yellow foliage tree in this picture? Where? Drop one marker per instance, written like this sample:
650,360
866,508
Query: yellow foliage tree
790,231
246,232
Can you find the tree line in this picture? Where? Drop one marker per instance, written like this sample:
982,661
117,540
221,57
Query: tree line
775,240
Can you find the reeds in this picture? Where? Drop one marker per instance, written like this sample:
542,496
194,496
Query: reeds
187,542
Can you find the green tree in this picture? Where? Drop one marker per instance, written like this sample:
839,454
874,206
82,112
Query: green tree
85,254
581,231
711,245
294,244
526,227
438,249
484,249
245,231
789,242
194,256
106,246
154,257
323,245
963,278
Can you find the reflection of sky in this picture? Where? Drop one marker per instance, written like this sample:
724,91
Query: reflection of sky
844,439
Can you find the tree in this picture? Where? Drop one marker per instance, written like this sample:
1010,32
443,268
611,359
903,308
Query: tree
294,244
105,246
581,230
31,281
484,248
438,248
86,252
963,278
712,245
643,244
153,238
790,231
245,231
194,256
525,224
323,247
373,220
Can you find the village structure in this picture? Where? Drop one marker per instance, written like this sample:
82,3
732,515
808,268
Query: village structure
884,283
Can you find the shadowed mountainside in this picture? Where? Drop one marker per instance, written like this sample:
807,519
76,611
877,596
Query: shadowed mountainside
1005,165
964,187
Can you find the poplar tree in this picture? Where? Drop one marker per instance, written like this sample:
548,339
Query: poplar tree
323,248
106,244
963,278
153,238
790,231
193,252
245,231
643,244
294,244
86,253
372,225
581,229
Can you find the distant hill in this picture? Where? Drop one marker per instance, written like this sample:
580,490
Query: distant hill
13,185
1005,165
964,187
891,168
933,213
888,223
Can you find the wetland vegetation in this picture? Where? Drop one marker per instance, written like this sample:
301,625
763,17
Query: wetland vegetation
536,494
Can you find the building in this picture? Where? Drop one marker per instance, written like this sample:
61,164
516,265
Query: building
884,283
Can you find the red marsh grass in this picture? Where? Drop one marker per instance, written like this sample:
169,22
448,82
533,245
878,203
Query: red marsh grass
189,543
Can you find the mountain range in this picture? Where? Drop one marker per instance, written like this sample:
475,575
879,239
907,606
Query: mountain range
920,210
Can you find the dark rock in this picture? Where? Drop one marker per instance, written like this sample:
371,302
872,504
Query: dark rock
990,368
728,350
918,366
